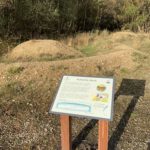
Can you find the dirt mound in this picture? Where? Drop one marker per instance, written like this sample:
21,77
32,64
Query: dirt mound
42,50
27,90
94,65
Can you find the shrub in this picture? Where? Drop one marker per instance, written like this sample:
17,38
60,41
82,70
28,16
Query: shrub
33,18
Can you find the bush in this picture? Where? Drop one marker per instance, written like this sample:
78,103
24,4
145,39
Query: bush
33,18
133,16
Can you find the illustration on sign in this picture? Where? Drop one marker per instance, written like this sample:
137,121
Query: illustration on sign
85,96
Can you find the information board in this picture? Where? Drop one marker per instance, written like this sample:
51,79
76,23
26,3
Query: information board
85,96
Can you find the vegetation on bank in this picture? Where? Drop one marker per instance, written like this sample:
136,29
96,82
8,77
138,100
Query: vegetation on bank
35,18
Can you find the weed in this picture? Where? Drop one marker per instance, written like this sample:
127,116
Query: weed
99,67
15,70
89,50
108,73
124,70
104,33
6,46
46,57
138,57
62,67
11,88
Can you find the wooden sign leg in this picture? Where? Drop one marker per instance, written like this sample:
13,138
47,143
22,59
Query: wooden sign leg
103,135
65,132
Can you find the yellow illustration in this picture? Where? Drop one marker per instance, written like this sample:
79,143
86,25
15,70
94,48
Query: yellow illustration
101,97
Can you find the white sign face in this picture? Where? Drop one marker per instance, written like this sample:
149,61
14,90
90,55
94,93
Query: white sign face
85,96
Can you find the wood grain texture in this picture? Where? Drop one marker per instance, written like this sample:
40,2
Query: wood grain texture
103,135
65,132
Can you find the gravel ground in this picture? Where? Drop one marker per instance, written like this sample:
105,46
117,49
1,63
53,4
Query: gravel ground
27,91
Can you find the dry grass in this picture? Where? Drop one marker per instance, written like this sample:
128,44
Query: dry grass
47,50
27,90
6,46
15,70
104,42
82,40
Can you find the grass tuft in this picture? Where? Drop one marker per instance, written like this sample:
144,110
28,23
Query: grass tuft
89,50
11,88
15,70
145,46
138,57
124,70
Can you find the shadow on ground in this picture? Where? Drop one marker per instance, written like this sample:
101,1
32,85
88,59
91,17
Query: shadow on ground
129,87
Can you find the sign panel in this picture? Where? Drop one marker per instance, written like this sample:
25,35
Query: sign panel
85,96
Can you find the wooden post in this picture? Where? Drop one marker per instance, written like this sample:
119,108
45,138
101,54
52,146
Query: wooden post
103,135
65,122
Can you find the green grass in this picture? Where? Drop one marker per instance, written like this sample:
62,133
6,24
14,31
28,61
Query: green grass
103,45
124,70
15,70
89,50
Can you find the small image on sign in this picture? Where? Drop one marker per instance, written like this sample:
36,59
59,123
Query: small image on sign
101,87
101,97
85,96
